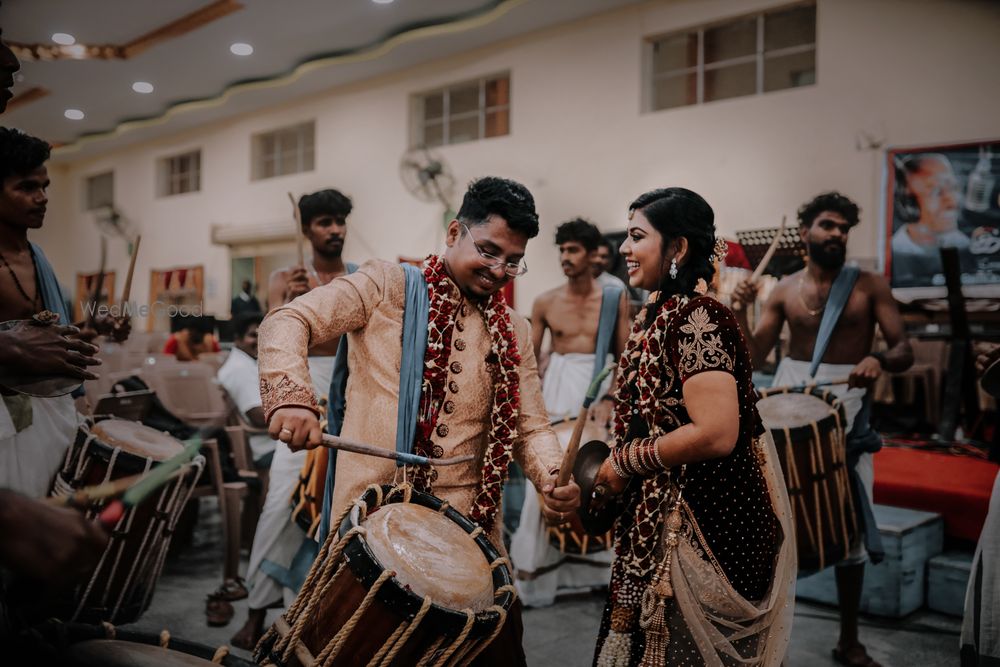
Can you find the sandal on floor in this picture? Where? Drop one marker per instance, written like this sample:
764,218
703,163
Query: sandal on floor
218,612
860,657
231,590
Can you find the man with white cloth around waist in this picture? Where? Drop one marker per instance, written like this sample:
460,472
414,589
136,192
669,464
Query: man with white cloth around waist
831,312
572,314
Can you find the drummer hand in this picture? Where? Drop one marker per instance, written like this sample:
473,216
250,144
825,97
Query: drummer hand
297,427
117,328
558,502
744,293
600,412
47,350
298,282
865,373
56,545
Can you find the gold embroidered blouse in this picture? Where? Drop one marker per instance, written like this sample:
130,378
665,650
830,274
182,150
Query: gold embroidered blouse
367,306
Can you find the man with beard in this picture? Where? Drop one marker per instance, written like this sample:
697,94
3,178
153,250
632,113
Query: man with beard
571,313
439,366
800,300
272,574
600,264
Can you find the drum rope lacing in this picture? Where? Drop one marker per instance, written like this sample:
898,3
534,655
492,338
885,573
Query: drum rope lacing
328,566
166,515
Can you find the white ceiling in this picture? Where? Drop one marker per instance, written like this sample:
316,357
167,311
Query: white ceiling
198,67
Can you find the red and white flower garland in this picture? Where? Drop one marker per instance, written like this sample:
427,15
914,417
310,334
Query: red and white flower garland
503,360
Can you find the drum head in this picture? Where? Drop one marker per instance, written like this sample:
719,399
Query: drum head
591,431
113,653
137,439
431,555
793,410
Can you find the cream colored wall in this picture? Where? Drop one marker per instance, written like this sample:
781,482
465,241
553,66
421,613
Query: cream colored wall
903,72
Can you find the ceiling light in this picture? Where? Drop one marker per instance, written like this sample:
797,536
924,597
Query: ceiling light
382,2
142,87
63,39
241,49
73,114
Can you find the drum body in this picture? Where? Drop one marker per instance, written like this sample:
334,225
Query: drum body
572,538
307,498
78,645
122,584
409,581
808,430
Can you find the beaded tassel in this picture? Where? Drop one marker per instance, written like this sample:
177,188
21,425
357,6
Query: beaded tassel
653,616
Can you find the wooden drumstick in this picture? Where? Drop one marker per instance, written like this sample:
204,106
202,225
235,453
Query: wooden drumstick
131,270
759,271
90,494
99,283
299,241
569,458
335,442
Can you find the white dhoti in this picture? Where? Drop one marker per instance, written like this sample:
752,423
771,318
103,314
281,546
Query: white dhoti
981,623
29,459
278,538
791,372
541,570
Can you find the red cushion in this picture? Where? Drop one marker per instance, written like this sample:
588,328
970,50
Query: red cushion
957,487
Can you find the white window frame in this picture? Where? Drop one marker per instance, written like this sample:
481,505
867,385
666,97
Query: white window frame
303,130
169,181
759,57
419,121
88,203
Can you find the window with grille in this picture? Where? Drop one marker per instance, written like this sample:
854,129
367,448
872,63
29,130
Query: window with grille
180,174
100,190
288,150
463,112
749,55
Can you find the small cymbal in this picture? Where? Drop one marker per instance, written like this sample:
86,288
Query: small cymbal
588,463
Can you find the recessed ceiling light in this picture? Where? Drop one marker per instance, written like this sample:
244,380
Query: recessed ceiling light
382,2
63,39
241,49
73,114
142,87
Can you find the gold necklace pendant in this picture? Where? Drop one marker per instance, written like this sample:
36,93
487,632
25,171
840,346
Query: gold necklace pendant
812,312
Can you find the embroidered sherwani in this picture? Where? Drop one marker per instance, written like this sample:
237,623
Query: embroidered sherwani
367,306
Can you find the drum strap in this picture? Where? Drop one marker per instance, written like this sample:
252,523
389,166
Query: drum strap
411,372
861,438
840,292
52,295
610,299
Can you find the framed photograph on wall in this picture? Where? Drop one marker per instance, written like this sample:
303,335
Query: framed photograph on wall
939,196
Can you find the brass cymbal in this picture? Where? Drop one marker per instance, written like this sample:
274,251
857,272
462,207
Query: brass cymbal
588,463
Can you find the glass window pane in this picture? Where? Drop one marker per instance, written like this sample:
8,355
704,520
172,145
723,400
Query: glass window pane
790,27
732,81
792,71
731,40
498,92
497,123
463,99
289,163
433,134
675,91
308,158
433,106
463,129
675,52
